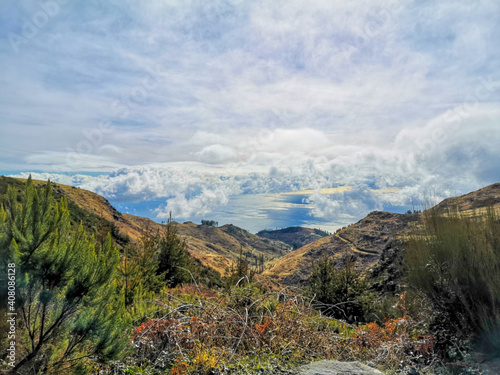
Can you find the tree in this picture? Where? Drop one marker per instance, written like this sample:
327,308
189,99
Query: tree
241,273
173,255
210,223
67,305
139,265
338,290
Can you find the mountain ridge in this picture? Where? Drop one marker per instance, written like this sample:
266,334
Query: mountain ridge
368,239
215,247
220,247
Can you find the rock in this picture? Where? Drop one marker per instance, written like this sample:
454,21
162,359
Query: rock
336,367
490,367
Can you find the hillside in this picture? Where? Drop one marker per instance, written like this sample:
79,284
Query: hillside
293,236
478,200
215,247
364,241
219,247
372,238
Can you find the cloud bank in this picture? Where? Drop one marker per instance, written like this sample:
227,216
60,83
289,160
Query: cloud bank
196,103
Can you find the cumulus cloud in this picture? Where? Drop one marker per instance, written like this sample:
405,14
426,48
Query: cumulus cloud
216,154
201,204
354,203
197,102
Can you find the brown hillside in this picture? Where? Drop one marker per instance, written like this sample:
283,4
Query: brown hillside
478,200
364,241
294,236
217,248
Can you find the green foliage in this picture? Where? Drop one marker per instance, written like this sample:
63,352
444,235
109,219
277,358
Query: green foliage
138,267
210,223
160,259
455,262
241,273
173,255
339,291
67,302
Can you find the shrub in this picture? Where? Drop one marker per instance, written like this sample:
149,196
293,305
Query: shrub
340,292
454,260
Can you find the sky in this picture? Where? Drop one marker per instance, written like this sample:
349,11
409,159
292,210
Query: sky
262,113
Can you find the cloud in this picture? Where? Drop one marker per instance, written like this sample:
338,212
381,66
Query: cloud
198,102
216,154
199,205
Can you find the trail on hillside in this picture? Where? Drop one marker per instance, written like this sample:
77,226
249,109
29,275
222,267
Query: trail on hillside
354,248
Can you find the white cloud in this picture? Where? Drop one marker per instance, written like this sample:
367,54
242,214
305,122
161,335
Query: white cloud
210,99
201,204
216,154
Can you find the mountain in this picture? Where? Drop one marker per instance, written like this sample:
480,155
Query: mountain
215,247
219,247
294,236
368,241
364,241
478,200
373,239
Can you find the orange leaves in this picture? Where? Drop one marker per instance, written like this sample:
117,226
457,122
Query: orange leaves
152,329
203,333
180,367
402,335
261,328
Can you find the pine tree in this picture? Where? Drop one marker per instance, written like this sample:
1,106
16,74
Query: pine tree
139,265
67,304
338,289
241,273
173,255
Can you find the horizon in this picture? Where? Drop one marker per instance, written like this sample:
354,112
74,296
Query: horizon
260,114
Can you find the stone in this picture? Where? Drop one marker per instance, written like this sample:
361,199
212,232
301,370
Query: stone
336,367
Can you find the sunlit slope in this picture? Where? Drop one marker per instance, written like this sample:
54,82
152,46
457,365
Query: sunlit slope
366,239
220,247
217,248
478,201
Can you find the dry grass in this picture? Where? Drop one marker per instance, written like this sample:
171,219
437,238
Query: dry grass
192,330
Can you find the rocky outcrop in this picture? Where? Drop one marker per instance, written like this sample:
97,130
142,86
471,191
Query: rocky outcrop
336,367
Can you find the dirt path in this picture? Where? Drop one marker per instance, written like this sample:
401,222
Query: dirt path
354,248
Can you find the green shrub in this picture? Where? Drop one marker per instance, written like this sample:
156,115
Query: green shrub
454,261
340,292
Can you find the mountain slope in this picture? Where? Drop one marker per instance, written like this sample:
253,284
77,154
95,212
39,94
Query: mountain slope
217,248
478,200
368,239
293,236
364,241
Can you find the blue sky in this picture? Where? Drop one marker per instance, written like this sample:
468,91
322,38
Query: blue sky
224,108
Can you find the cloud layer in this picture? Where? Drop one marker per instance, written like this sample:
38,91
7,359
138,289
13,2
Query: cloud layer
197,103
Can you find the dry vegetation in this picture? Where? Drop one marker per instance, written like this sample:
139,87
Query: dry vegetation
246,330
242,326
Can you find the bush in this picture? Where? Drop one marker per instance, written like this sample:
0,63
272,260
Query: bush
454,260
249,330
340,292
